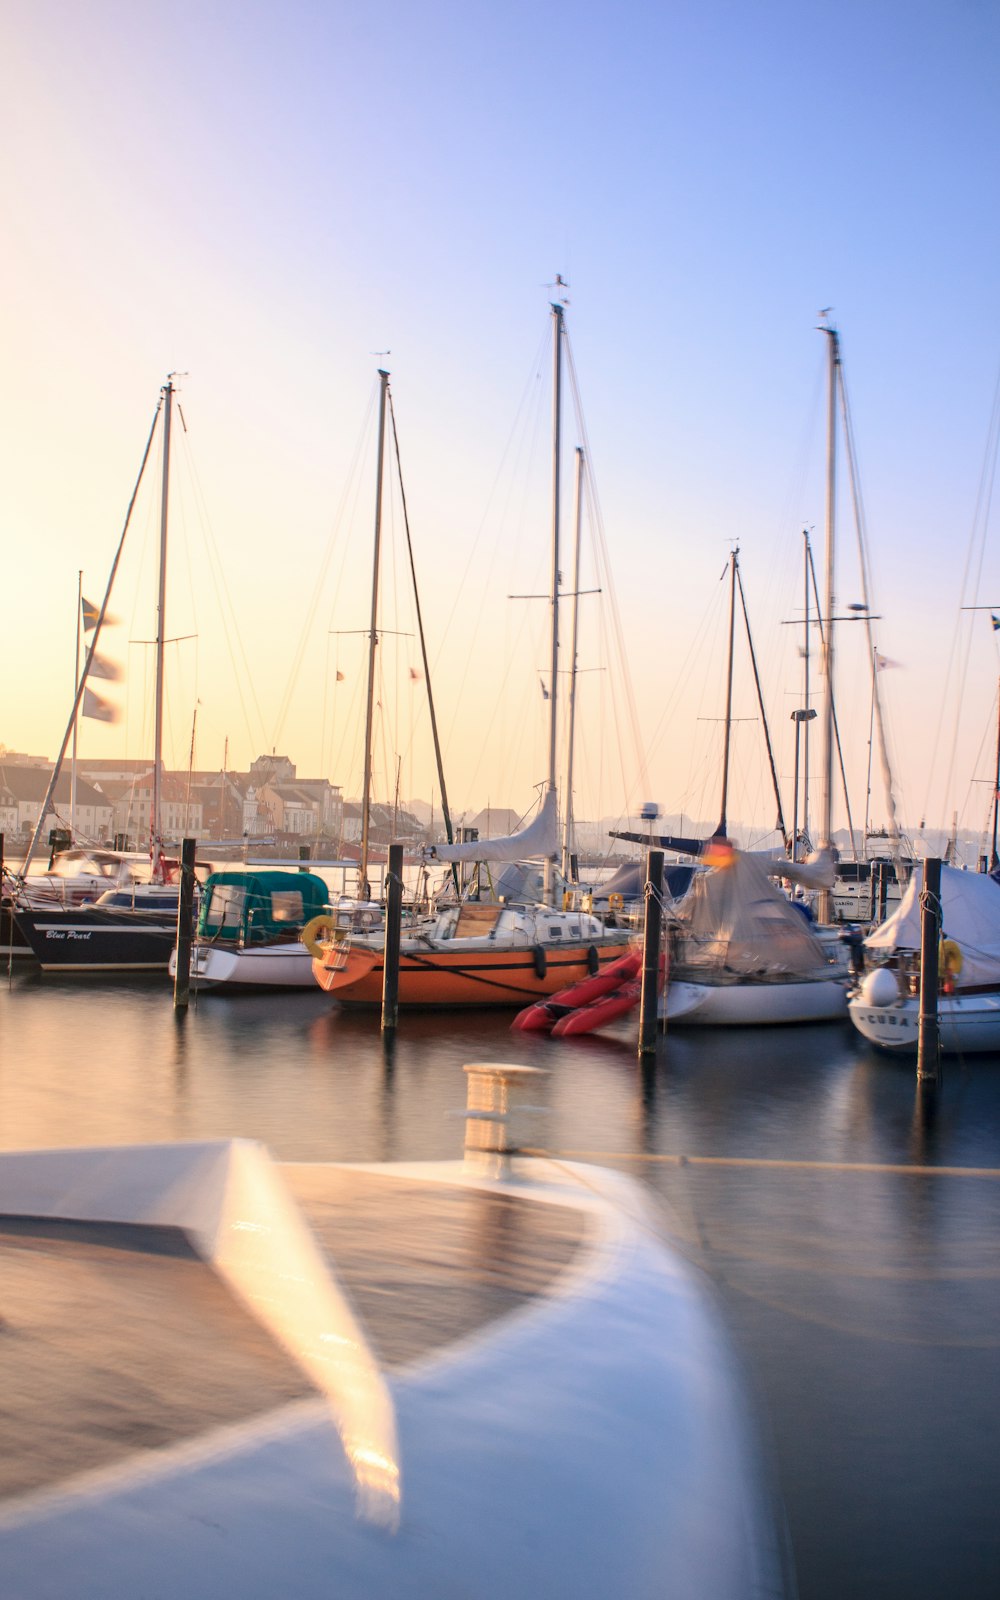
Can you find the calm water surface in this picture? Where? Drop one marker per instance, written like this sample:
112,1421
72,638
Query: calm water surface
865,1305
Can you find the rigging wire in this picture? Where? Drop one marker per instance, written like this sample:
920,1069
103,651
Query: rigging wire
956,661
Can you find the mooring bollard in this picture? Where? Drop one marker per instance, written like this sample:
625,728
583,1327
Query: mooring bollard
393,935
929,1035
500,1114
185,914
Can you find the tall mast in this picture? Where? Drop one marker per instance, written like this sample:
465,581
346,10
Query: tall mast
557,329
366,797
826,834
720,831
806,564
76,685
155,825
570,732
994,858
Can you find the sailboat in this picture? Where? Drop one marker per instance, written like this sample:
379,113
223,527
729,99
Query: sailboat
741,953
885,1007
489,953
130,927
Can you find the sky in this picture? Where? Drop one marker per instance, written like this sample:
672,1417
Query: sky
275,201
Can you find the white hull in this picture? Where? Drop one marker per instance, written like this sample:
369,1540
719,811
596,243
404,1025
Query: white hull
968,1024
749,1005
595,1442
278,966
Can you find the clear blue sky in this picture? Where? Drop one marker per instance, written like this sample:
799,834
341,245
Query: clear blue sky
263,196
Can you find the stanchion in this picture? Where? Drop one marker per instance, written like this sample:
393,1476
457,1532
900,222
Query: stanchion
185,914
393,934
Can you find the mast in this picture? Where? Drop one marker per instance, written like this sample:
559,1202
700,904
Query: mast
826,834
557,329
994,858
155,820
720,832
807,563
366,797
871,741
763,715
568,833
76,685
438,756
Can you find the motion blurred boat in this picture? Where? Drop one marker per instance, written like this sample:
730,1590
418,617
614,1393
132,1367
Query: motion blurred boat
885,1005
226,1377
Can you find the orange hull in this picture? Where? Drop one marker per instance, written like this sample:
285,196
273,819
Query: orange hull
453,977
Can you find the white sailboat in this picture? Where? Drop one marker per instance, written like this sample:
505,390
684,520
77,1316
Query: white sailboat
885,1006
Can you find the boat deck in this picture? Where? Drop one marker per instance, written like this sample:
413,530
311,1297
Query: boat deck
119,1339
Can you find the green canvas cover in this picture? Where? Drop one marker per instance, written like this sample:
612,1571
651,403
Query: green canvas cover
250,906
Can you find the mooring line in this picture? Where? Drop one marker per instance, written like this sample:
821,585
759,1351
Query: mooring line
889,1169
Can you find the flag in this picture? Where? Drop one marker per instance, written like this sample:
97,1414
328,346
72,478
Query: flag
90,614
881,662
545,692
415,676
100,710
340,677
995,621
101,667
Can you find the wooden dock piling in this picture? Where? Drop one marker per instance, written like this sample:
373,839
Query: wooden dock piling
393,934
649,1004
929,1035
185,917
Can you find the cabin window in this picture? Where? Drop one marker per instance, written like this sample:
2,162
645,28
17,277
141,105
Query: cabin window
286,906
555,932
225,908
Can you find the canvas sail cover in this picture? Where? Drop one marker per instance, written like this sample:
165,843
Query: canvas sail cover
539,839
819,871
970,914
735,924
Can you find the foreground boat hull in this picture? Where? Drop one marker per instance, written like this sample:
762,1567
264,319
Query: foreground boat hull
92,939
748,1005
594,1442
465,972
967,1024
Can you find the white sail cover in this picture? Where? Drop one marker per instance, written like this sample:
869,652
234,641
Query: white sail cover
539,839
734,923
970,914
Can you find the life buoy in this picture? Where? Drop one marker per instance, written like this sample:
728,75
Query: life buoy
950,958
541,964
313,931
615,902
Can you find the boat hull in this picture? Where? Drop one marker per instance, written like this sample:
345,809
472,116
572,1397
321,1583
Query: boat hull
277,966
749,1005
463,972
967,1024
91,939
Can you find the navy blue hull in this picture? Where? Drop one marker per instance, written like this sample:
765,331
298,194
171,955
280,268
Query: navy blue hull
91,938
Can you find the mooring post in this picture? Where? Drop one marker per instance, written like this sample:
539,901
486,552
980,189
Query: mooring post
393,933
649,1005
883,890
929,1036
185,917
874,879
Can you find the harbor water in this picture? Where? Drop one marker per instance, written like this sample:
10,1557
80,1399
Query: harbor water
849,1226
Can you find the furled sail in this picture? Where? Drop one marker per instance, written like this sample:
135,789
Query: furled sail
539,839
